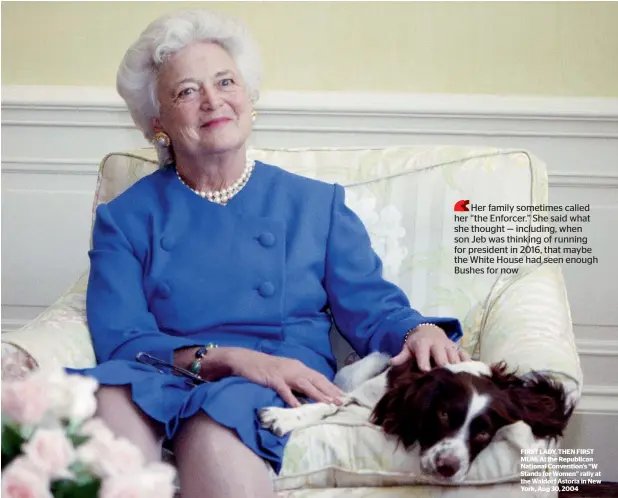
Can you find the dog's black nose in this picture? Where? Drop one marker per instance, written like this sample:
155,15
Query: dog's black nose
447,465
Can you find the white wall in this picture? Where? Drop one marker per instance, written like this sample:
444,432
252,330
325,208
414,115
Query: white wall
54,137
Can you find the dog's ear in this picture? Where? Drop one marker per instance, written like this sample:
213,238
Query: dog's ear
399,410
503,378
544,405
536,399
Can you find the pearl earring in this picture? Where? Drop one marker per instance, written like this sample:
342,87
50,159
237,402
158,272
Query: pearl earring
162,139
253,115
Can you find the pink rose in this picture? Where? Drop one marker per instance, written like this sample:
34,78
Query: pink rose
154,481
110,457
96,429
121,486
51,452
159,480
21,479
25,401
72,396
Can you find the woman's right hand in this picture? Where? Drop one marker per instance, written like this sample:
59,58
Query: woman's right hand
283,375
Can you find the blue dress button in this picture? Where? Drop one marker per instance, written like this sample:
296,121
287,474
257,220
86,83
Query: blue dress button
267,289
267,239
167,243
164,291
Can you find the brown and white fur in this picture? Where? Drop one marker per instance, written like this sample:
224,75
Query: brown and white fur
451,412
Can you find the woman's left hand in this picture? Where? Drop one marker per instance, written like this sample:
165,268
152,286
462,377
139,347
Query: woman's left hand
429,341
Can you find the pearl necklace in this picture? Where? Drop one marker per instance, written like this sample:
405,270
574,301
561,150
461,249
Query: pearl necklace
224,195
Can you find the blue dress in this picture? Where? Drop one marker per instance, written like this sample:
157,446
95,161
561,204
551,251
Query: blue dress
171,270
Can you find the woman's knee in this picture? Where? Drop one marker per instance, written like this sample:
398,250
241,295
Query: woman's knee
116,402
203,428
125,419
113,398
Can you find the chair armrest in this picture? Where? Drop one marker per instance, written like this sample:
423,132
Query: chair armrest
58,337
528,325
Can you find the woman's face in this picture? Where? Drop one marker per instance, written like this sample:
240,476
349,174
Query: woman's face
204,106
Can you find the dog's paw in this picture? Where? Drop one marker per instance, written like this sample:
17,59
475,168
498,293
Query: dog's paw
268,416
277,420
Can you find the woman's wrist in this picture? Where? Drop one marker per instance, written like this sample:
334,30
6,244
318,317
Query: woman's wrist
196,364
411,331
217,363
184,356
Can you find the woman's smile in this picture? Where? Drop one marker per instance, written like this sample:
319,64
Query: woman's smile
213,123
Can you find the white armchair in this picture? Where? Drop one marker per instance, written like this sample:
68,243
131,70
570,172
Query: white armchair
405,196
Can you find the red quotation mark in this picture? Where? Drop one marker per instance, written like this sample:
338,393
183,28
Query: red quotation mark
461,205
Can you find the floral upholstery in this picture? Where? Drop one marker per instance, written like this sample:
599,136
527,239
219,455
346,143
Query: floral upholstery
405,197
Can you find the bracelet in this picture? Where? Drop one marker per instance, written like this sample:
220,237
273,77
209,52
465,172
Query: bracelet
409,332
196,365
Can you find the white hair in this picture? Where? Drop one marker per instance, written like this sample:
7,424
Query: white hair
136,80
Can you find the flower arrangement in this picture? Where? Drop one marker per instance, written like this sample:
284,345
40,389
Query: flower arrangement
53,447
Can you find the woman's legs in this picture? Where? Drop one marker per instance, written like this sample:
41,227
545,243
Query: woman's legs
214,463
125,419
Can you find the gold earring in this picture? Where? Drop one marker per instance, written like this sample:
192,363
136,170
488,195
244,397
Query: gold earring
162,139
253,115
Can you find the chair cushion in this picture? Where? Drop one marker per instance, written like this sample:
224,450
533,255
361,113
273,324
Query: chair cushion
345,450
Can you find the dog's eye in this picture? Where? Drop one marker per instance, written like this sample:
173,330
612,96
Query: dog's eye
443,416
482,436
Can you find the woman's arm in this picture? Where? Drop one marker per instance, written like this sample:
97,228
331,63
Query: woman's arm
372,313
119,319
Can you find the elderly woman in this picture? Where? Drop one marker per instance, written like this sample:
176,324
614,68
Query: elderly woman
216,250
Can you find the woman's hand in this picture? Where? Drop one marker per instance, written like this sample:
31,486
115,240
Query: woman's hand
427,341
283,375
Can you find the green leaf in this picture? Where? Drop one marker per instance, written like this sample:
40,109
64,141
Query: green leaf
12,441
27,431
78,439
80,472
76,489
72,426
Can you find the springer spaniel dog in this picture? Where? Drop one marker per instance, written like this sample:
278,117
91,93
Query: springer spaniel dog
451,412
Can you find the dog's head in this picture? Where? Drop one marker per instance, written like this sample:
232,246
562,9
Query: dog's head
454,412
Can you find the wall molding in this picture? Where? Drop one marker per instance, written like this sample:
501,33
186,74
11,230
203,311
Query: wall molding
598,400
43,165
581,179
477,132
323,112
9,324
46,166
597,347
25,97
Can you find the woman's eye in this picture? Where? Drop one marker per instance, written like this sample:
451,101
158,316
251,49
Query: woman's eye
226,82
186,92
